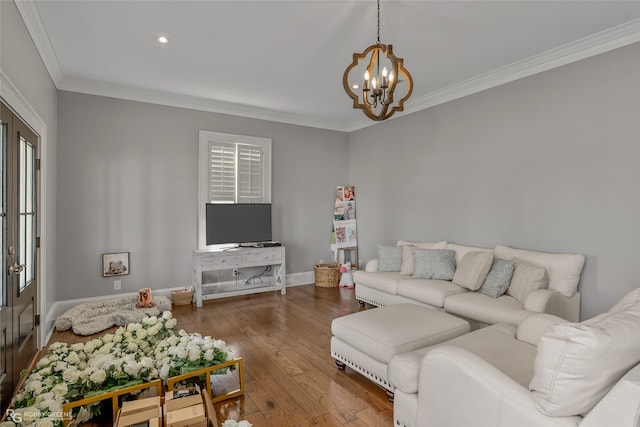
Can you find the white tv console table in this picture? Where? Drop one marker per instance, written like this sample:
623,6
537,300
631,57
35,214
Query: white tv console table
243,257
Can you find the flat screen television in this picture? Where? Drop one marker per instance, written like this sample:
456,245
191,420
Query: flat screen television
238,223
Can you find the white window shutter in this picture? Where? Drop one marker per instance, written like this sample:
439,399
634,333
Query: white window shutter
250,164
222,172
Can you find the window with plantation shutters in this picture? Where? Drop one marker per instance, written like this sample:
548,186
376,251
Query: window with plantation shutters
233,169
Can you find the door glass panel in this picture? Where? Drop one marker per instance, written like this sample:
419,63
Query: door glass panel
27,226
3,212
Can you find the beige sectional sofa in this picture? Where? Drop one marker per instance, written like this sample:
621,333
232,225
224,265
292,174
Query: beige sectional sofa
540,282
545,372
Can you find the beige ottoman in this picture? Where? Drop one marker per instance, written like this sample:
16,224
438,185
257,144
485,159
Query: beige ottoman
366,341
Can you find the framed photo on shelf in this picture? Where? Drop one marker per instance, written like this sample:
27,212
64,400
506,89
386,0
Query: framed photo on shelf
115,264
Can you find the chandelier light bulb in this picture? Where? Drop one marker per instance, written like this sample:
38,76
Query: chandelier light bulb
390,77
374,83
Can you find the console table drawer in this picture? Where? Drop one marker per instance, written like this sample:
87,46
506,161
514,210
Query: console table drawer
221,261
268,256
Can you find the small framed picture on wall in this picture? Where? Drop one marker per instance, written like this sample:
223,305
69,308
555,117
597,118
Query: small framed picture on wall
115,264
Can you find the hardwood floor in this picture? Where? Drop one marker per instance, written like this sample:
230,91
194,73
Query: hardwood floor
290,377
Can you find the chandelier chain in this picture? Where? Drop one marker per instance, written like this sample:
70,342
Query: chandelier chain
378,21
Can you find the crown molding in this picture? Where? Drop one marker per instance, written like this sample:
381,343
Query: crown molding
586,47
171,99
33,21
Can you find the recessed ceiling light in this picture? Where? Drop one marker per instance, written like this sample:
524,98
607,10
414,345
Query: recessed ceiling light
162,39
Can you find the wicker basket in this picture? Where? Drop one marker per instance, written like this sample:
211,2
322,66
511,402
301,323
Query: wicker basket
327,275
182,297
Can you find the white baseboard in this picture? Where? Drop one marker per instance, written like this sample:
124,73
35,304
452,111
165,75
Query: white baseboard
59,307
304,278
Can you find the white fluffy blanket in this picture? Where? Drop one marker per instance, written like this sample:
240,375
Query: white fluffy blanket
90,318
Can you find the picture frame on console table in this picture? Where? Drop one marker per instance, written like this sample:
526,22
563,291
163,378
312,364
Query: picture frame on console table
115,264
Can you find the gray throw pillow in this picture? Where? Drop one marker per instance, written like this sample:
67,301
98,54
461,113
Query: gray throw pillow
498,279
389,258
439,264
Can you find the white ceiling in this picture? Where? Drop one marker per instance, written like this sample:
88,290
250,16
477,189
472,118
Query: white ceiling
284,60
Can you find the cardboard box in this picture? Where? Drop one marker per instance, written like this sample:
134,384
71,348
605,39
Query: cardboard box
201,399
134,406
209,411
189,416
141,411
152,422
171,403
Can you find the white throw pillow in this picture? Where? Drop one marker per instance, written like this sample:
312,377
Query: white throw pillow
473,269
526,279
407,266
407,260
563,269
577,364
462,250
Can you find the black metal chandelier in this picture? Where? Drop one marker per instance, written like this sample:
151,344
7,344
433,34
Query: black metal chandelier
375,94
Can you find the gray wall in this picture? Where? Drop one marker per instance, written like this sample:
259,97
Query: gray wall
128,181
21,63
550,163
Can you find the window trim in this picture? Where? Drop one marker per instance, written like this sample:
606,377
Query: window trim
203,175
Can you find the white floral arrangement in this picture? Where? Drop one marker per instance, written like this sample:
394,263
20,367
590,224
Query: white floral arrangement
234,423
134,354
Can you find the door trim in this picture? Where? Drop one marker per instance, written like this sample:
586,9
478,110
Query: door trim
19,104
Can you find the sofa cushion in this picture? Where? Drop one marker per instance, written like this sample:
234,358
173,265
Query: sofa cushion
424,245
563,269
474,305
526,279
616,409
496,344
382,281
628,301
473,269
498,279
532,328
578,363
439,264
389,258
428,291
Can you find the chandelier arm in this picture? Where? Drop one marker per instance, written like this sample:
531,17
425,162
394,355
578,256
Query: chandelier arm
372,61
